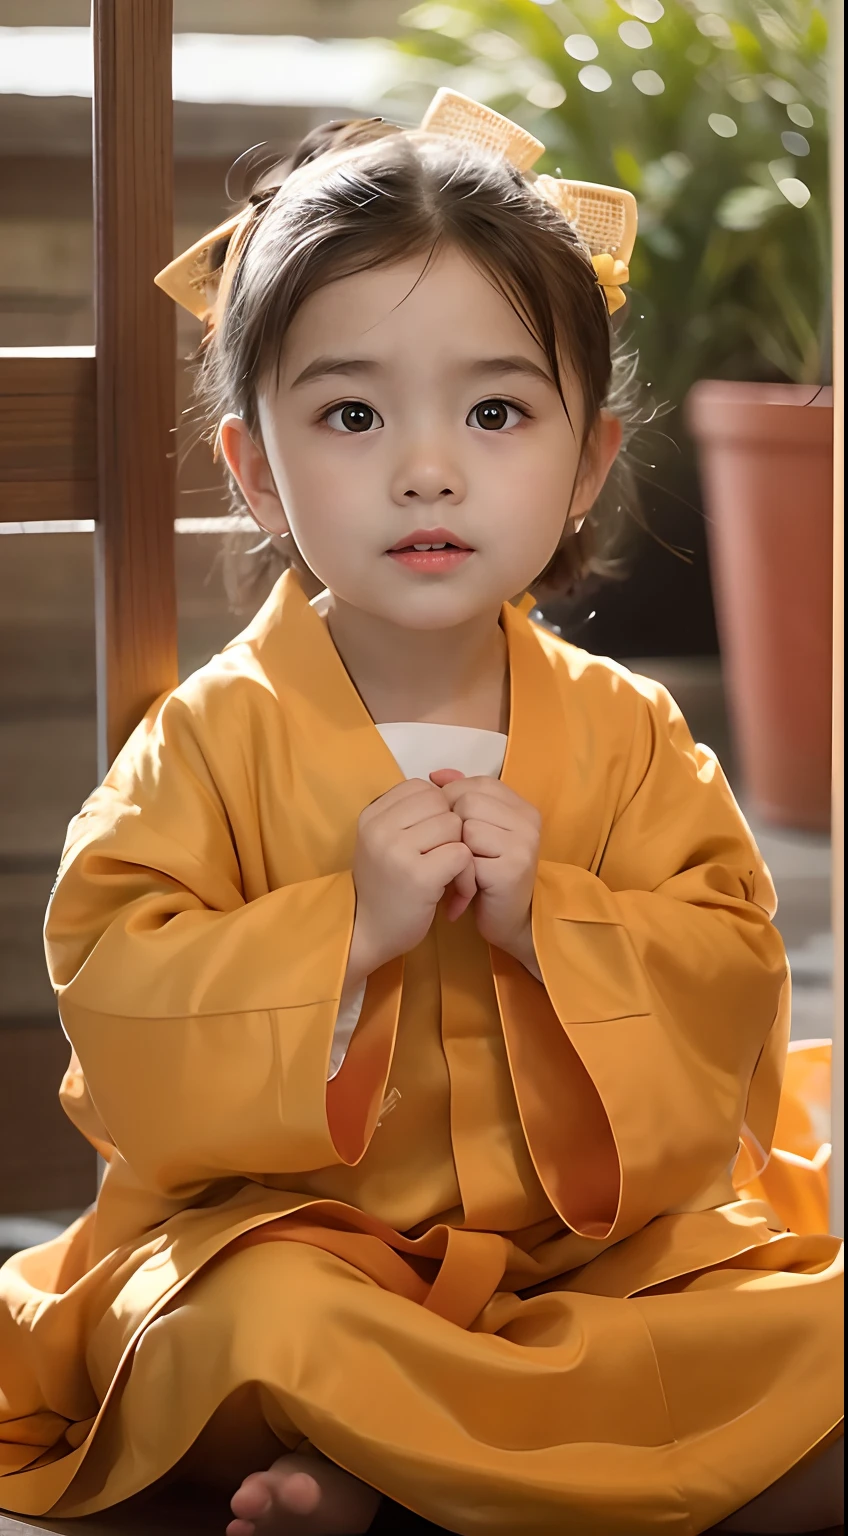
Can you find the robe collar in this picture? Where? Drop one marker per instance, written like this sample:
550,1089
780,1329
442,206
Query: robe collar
295,650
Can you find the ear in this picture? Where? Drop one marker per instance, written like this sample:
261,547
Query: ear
250,469
599,455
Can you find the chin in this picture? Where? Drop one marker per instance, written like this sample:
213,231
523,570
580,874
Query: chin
436,608
428,604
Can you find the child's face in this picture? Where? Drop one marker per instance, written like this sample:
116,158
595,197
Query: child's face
419,433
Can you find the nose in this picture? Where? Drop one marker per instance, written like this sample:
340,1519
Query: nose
427,472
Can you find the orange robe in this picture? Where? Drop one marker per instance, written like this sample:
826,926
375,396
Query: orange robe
526,1299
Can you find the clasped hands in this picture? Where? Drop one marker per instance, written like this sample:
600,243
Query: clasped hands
465,839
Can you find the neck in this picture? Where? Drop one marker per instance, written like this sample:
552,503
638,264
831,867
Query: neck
457,676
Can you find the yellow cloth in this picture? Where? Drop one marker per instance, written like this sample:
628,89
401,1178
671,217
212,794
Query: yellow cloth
527,1299
795,1180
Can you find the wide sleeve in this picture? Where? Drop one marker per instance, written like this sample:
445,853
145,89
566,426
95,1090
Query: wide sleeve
661,1026
203,1021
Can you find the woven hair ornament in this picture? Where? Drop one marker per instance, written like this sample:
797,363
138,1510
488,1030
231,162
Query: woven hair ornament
603,218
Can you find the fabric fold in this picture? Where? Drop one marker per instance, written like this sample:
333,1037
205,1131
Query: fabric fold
662,1025
201,1005
497,1263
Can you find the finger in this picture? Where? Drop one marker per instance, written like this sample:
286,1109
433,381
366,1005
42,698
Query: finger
433,832
465,883
448,863
406,790
487,841
478,806
443,776
395,815
398,792
495,789
455,904
460,893
480,785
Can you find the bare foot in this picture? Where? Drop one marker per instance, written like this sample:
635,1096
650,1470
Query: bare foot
302,1496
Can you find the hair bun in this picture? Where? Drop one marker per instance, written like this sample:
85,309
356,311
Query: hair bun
336,135
265,166
258,172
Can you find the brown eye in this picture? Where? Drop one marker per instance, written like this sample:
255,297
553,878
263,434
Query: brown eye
494,415
355,416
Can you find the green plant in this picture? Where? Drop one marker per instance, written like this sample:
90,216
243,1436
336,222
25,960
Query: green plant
713,113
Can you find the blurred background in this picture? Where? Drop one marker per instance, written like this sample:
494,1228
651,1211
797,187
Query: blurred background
714,113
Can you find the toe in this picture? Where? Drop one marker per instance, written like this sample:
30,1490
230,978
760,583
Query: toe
240,1528
252,1500
300,1493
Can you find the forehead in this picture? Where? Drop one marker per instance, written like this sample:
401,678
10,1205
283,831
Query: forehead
444,306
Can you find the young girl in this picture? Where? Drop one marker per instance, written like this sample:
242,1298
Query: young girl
418,966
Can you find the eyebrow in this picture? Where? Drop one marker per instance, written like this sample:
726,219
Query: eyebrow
514,363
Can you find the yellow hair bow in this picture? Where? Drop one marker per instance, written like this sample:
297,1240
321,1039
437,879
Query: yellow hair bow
604,218
612,274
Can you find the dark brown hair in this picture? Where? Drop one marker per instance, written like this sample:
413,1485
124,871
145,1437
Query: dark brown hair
396,197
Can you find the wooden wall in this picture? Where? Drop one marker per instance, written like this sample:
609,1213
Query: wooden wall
48,764
837,1188
48,749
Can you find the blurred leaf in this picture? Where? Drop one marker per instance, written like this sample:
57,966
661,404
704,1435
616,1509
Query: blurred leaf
746,207
816,39
628,169
440,18
664,242
748,46
733,280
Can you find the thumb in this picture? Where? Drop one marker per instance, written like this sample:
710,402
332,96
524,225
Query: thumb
461,892
443,776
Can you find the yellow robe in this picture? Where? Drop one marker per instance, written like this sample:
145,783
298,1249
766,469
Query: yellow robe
527,1299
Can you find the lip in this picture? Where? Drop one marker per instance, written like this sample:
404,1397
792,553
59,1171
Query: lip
430,561
429,536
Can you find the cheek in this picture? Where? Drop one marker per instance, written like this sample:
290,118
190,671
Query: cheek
326,499
313,475
558,472
546,495
545,482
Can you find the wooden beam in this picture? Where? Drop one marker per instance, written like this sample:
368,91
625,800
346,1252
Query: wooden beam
48,459
837,140
59,127
135,334
330,18
48,440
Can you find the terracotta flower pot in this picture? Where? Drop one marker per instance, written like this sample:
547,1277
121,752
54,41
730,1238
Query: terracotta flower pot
766,460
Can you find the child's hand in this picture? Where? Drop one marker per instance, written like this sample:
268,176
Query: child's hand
409,847
502,832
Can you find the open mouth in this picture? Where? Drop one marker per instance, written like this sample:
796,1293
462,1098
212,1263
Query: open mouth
430,549
432,559
405,549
